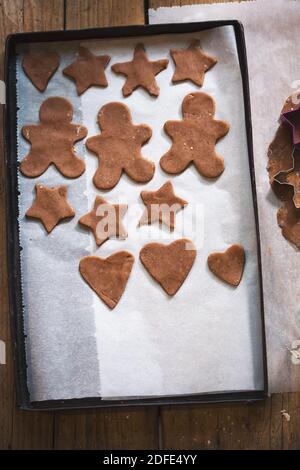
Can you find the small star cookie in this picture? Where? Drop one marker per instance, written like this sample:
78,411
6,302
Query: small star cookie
118,147
105,220
161,205
191,64
140,72
50,206
87,70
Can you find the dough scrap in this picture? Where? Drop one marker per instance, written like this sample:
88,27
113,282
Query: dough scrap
118,147
161,205
291,177
288,219
102,212
50,206
194,138
229,265
52,141
191,63
169,264
107,276
140,72
87,70
40,67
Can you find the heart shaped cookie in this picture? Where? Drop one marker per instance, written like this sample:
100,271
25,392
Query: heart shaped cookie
169,264
228,266
39,68
107,276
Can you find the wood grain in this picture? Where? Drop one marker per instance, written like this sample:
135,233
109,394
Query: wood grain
250,426
110,429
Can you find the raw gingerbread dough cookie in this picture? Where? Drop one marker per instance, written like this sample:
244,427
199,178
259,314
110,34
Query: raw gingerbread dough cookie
87,70
228,266
40,67
50,206
105,220
118,147
161,205
107,276
191,63
52,141
140,72
169,264
194,138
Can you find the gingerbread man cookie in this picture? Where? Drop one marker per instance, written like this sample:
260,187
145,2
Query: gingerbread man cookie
118,147
194,138
140,72
52,141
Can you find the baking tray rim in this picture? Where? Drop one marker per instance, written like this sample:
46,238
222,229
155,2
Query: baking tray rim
13,246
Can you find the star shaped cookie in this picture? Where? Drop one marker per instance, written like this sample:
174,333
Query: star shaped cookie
191,64
292,177
87,70
105,220
140,72
50,206
161,205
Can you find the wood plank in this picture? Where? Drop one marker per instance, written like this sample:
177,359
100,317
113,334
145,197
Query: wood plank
19,429
255,426
11,19
178,3
116,428
235,426
93,13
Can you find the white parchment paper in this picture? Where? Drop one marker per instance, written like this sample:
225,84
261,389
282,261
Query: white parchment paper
272,36
207,338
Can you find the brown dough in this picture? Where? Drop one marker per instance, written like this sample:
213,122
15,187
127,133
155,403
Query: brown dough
292,177
288,218
50,206
228,266
194,138
87,70
52,141
169,264
118,147
102,211
161,205
140,72
191,63
107,276
40,67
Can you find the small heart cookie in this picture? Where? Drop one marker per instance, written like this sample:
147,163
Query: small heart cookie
107,276
228,266
39,68
169,264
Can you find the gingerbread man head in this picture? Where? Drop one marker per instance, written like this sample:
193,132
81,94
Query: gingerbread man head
198,105
114,118
56,109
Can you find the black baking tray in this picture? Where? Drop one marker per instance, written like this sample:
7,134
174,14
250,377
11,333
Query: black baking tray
13,246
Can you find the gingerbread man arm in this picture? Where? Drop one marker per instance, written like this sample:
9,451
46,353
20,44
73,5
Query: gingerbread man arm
172,127
80,132
27,130
93,144
143,133
222,128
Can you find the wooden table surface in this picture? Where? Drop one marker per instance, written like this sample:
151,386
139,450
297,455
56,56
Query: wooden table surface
252,426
